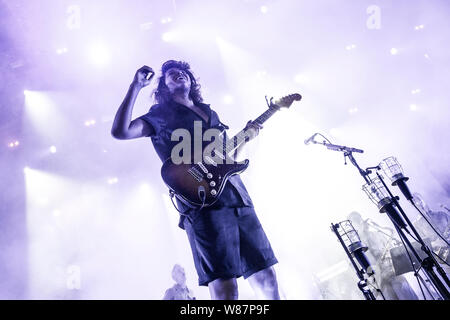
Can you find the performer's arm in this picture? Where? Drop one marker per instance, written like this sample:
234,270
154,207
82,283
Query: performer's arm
123,128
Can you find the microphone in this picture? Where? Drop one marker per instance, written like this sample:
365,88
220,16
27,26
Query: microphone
307,141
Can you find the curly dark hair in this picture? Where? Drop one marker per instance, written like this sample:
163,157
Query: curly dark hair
162,93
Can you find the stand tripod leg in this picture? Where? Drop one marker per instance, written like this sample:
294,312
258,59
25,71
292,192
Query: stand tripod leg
426,264
427,284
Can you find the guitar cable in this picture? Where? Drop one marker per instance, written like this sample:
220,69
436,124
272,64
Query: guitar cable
172,195
202,195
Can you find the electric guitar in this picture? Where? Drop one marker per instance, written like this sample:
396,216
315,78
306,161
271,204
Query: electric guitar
200,184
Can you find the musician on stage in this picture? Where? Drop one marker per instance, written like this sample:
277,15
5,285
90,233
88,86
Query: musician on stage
226,239
179,291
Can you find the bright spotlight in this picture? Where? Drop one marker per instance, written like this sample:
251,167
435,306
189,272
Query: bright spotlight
166,20
52,149
168,36
113,180
301,79
335,132
89,123
41,106
264,9
353,110
413,107
61,51
261,73
227,99
394,51
99,55
13,144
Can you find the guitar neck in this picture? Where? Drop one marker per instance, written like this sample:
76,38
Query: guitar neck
242,137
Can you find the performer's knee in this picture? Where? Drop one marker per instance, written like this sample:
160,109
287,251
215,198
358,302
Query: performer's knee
224,289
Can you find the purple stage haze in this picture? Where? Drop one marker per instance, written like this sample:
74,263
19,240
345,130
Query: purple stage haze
86,216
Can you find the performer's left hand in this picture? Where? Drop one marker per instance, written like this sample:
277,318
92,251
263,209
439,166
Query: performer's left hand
252,129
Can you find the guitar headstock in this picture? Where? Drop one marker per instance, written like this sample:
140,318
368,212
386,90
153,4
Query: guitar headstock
286,101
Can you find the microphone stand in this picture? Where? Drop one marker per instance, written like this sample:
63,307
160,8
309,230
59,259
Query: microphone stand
429,263
348,152
362,284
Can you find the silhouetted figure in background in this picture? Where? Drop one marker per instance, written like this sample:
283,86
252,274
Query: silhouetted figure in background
179,291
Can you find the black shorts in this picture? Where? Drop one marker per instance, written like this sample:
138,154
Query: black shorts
228,243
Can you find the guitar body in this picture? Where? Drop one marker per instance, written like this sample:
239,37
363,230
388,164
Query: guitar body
199,184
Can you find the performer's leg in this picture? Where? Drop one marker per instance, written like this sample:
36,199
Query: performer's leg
265,284
223,289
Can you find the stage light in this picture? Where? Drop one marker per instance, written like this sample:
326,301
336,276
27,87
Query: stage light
145,188
99,55
13,144
40,106
264,9
354,244
113,180
394,51
227,99
353,110
413,107
301,79
394,171
377,193
169,36
415,91
261,73
89,123
350,47
61,51
419,27
52,149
